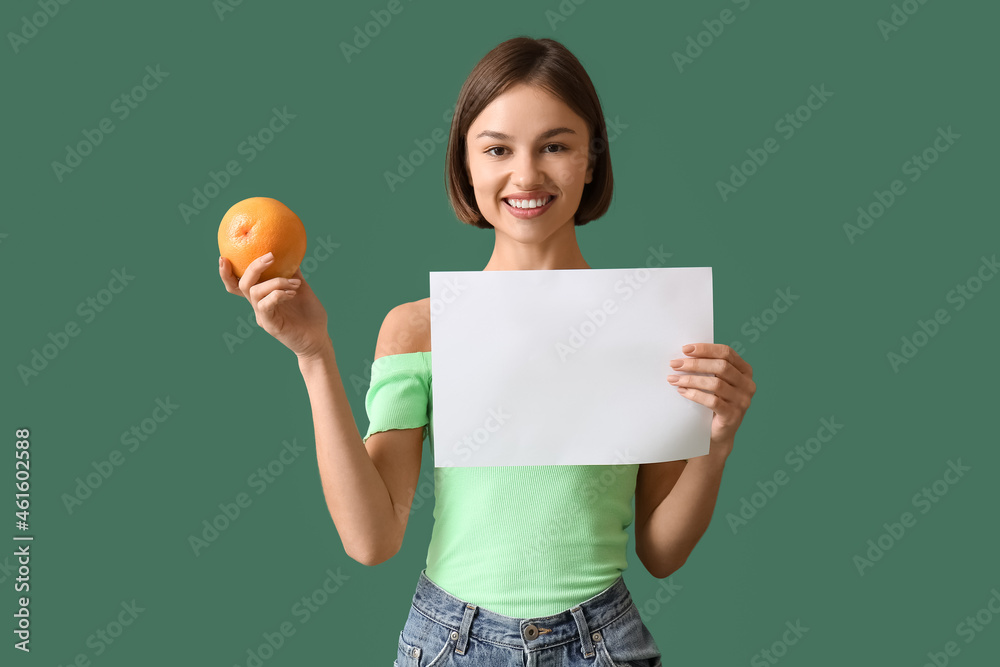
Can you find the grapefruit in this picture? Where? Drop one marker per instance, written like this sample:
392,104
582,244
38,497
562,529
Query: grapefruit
257,226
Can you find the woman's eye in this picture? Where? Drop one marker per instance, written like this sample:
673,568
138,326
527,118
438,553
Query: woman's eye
489,151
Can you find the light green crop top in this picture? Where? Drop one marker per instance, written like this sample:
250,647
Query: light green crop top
522,541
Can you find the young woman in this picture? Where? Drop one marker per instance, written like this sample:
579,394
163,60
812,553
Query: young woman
525,562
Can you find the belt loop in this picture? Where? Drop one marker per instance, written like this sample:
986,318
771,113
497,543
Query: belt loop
463,633
581,623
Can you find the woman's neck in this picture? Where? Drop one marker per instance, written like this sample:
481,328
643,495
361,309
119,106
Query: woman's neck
510,255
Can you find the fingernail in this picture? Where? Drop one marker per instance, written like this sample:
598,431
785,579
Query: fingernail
220,261
268,257
688,349
672,378
676,363
295,281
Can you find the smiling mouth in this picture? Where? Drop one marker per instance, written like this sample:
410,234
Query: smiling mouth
528,204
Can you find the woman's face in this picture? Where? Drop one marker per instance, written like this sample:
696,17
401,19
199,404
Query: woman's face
528,144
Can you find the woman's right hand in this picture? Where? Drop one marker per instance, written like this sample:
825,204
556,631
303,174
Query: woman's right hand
286,308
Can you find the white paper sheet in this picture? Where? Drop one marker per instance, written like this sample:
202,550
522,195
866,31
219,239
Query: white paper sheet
566,367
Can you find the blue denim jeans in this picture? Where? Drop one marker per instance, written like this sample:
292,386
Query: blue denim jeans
604,631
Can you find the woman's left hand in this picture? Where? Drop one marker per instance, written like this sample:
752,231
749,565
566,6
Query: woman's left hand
728,393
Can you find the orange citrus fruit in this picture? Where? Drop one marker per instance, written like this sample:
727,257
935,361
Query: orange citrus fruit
257,226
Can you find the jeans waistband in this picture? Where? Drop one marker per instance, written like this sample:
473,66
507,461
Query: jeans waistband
579,622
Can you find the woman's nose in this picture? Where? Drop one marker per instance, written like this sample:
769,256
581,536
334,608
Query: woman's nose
526,171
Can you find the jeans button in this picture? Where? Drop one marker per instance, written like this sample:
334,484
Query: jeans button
416,653
596,636
530,632
454,635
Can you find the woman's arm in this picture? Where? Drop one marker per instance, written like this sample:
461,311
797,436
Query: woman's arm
356,495
718,378
666,537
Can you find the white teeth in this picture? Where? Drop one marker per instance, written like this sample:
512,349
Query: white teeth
528,203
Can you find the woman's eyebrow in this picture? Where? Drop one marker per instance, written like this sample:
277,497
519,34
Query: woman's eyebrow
544,135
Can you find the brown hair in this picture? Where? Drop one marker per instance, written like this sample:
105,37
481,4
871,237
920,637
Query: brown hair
550,65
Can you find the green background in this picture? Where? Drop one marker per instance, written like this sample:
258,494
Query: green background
164,335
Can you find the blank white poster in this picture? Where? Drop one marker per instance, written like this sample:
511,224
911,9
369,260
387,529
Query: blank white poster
566,367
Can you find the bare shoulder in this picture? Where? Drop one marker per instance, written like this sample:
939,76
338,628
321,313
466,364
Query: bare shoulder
406,328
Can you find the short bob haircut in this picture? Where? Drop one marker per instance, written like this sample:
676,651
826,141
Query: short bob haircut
550,65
